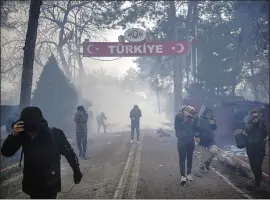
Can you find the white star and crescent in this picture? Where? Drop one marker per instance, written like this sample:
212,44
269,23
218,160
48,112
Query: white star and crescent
178,45
89,49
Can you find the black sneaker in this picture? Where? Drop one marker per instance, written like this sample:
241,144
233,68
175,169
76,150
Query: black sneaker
203,170
207,166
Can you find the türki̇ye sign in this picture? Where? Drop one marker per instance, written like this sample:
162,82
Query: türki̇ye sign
134,49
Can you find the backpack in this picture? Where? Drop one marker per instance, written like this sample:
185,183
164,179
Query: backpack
54,145
241,140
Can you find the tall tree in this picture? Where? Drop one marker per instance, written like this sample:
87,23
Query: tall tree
29,53
54,94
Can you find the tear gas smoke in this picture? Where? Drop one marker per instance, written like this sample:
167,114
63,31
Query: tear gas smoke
107,95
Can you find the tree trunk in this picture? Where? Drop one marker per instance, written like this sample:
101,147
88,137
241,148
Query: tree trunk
61,42
29,54
158,101
253,83
194,46
176,73
79,58
64,62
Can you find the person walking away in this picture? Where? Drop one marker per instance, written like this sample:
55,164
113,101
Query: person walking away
81,118
206,141
101,121
185,131
42,148
257,131
135,115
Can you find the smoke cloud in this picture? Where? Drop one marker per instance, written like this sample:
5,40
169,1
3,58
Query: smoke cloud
108,95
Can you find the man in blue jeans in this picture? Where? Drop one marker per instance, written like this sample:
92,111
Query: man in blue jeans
81,118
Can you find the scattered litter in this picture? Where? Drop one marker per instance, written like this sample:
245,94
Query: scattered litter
164,132
234,151
160,165
109,142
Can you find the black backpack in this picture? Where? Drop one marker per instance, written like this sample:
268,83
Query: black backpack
241,140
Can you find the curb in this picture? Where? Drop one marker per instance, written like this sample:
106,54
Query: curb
242,164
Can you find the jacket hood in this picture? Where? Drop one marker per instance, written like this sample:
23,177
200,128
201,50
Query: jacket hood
34,117
206,110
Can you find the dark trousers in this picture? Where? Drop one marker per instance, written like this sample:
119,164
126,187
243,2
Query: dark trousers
185,151
256,155
43,196
82,142
137,127
99,125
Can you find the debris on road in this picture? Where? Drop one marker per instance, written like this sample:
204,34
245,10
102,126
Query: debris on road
167,132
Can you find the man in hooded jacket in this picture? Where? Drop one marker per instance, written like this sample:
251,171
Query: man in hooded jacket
81,118
206,141
135,115
42,148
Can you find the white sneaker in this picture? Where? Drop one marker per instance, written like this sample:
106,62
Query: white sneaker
138,142
183,180
131,141
189,177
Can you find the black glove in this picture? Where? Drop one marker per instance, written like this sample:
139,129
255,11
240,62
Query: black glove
77,176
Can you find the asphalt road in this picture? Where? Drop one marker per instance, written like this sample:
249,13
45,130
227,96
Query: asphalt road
149,170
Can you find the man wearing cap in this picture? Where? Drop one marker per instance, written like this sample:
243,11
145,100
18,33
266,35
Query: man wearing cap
185,129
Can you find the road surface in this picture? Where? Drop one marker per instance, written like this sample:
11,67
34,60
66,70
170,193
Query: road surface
149,170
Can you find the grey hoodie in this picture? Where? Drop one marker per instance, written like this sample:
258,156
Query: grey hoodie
81,118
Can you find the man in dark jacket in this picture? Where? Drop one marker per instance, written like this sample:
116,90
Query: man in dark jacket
257,131
135,115
185,129
206,141
42,147
101,121
81,118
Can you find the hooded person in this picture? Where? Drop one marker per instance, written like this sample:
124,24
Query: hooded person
185,129
135,115
206,141
257,131
81,118
42,148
